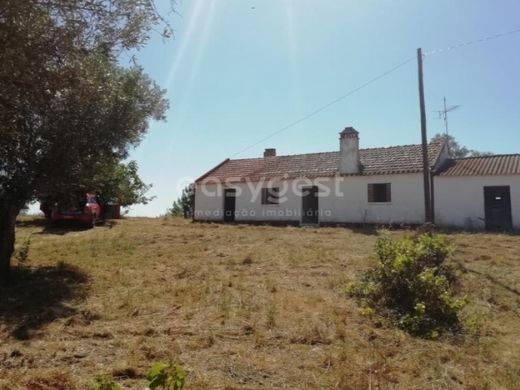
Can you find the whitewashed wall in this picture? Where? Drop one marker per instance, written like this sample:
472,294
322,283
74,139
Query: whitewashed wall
459,200
342,200
406,206
209,202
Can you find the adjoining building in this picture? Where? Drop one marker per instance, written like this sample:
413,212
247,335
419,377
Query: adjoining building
479,192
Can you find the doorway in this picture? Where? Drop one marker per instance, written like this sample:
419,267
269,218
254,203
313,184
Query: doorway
229,204
497,204
310,205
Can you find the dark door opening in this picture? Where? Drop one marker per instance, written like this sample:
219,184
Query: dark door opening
497,204
229,204
310,205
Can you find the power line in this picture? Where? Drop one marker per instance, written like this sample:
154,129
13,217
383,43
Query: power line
324,107
382,75
473,42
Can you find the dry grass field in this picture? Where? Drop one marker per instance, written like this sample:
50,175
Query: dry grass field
241,307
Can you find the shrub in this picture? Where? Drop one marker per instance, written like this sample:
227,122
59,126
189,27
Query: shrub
161,376
166,377
104,382
412,285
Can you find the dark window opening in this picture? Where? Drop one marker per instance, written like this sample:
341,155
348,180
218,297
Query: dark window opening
379,193
270,195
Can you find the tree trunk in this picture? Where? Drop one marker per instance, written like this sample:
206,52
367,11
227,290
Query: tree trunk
8,214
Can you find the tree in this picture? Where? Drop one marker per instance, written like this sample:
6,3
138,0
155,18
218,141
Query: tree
66,104
457,150
184,205
176,209
108,180
121,181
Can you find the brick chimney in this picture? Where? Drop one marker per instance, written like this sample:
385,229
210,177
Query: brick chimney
349,162
270,153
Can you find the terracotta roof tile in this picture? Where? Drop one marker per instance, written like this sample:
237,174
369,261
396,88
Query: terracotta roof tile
377,161
505,164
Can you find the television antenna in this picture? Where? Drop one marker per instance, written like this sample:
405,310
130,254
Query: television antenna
443,114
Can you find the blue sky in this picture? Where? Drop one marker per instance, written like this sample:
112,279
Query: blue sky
239,70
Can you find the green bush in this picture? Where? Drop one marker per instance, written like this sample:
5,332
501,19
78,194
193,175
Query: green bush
161,376
167,377
104,382
412,285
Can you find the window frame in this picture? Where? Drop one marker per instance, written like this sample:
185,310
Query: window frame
270,196
373,195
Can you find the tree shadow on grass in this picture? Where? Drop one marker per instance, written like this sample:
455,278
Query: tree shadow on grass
48,227
367,230
360,228
29,222
64,228
39,296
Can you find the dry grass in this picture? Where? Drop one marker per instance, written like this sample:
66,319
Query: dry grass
241,307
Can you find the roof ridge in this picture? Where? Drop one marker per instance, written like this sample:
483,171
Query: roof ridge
486,156
246,159
307,154
397,146
336,151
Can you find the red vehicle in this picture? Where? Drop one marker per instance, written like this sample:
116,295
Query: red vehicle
85,210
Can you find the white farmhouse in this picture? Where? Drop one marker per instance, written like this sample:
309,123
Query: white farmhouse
358,186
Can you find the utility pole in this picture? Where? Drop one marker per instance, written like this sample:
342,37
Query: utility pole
426,165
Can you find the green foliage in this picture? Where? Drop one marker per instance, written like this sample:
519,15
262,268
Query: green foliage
108,179
161,376
81,106
457,150
176,209
66,102
184,205
474,322
122,181
412,285
166,377
104,382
